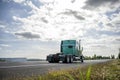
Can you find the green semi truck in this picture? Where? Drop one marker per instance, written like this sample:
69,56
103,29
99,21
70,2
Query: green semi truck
70,50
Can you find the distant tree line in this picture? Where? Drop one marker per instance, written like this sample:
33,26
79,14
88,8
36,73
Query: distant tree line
102,57
1,60
35,59
99,57
119,54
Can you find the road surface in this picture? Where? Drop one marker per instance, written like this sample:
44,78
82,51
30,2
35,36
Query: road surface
33,68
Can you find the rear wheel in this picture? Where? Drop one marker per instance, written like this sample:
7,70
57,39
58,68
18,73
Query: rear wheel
52,60
68,59
56,61
65,59
71,59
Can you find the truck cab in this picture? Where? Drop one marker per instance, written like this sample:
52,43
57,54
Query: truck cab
70,50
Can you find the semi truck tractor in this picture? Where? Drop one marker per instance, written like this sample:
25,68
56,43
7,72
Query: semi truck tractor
70,50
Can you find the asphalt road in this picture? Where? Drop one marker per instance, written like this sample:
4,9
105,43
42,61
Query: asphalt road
33,68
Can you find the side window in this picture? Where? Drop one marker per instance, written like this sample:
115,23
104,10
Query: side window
70,46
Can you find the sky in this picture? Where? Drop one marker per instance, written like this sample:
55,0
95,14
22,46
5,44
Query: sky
34,28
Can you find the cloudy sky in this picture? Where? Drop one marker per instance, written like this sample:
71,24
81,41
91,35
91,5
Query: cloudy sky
34,28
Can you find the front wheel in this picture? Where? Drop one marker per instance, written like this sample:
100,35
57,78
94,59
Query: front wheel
68,59
81,58
71,59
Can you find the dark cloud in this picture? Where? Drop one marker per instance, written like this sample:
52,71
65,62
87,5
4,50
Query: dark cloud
117,39
28,35
72,1
76,14
114,25
79,17
44,20
110,25
117,24
91,4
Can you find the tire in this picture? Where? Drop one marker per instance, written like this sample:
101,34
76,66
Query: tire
67,59
71,59
57,61
64,61
52,61
55,58
81,58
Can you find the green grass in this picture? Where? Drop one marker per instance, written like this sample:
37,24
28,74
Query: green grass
2,60
102,71
106,71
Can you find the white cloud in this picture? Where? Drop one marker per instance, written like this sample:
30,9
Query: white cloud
4,45
19,1
67,19
2,26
